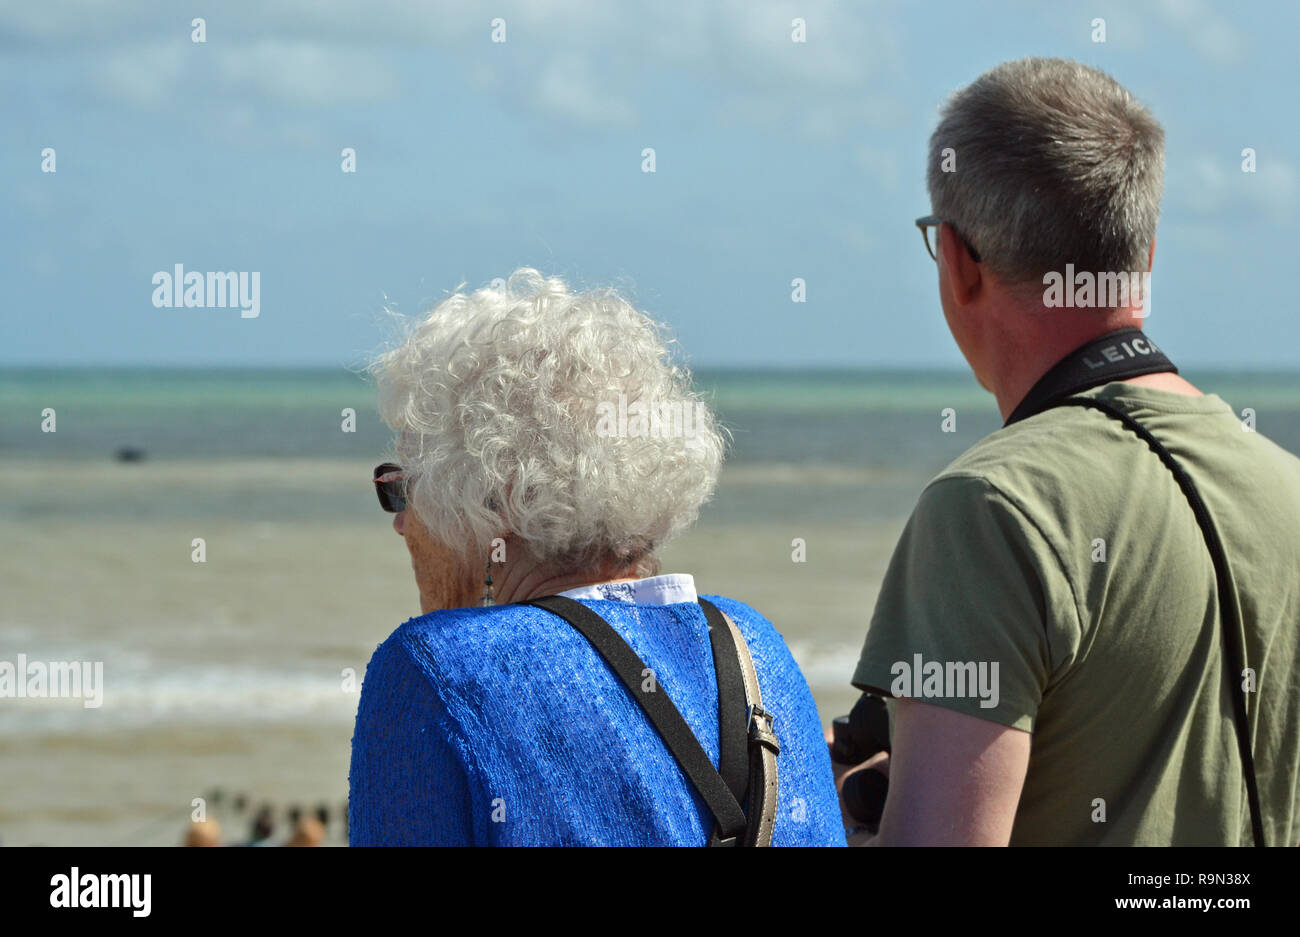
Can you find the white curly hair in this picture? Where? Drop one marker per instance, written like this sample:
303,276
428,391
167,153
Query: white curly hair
495,397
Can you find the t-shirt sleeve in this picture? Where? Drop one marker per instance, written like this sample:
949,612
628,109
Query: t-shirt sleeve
407,784
970,608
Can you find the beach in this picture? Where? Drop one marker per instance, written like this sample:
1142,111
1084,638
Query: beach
242,672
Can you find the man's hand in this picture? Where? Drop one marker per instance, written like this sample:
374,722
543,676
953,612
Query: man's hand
855,833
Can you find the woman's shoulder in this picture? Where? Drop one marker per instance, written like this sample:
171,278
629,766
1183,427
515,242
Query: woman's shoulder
752,624
737,609
454,644
449,623
766,643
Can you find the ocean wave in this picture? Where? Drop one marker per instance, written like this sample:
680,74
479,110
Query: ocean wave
190,695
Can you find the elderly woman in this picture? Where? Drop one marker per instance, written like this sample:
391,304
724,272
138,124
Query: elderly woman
547,446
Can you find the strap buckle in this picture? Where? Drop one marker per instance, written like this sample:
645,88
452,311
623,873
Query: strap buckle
761,728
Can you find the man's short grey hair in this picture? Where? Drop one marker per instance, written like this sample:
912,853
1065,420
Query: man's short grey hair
1056,163
497,398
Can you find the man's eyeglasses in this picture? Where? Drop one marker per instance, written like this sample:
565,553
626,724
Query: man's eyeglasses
929,226
390,485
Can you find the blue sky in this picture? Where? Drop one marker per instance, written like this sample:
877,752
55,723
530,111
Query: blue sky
774,160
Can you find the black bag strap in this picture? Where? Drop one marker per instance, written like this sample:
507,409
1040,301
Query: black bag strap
733,742
764,746
659,709
1230,621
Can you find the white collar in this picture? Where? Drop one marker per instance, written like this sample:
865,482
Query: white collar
654,590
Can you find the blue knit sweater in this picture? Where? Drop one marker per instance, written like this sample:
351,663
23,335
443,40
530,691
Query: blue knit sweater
503,726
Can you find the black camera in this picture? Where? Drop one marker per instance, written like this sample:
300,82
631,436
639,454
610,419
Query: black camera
862,733
854,739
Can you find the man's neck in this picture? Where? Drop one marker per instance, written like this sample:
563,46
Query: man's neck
1018,366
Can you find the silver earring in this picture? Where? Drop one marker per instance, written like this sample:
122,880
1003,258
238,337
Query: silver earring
487,587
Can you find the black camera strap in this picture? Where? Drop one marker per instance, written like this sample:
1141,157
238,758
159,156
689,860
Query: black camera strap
1117,356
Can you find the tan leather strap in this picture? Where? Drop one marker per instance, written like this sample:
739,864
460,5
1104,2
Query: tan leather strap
763,782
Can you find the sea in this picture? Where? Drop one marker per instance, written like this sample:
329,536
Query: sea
232,684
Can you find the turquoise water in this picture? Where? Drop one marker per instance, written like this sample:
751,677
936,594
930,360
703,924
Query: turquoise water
834,444
793,415
195,413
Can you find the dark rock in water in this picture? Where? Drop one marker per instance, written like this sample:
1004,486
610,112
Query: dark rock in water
130,454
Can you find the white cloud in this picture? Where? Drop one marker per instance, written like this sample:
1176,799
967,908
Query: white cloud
1210,34
583,62
1277,187
304,72
1202,185
1214,186
843,77
570,89
146,75
883,166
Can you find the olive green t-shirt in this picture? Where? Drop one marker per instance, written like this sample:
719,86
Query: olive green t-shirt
1061,556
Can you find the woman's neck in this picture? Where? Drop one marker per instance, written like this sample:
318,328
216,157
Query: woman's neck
519,584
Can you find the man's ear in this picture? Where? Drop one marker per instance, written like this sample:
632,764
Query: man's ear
964,274
1151,255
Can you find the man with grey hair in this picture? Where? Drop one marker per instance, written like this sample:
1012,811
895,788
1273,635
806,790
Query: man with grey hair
1091,623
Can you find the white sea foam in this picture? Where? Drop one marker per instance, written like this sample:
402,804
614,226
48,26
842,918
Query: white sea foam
185,696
